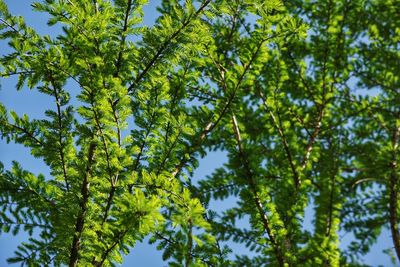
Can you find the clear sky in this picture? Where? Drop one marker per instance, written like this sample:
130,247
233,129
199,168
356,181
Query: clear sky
34,104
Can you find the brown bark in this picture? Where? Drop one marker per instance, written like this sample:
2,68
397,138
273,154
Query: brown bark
257,200
80,221
393,200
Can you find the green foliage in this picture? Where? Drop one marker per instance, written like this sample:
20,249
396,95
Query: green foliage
302,96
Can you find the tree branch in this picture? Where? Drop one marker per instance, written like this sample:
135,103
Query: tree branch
80,221
24,131
122,43
257,200
60,137
211,125
394,191
165,45
278,126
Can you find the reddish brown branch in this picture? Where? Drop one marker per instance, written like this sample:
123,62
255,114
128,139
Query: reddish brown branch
257,200
313,138
394,191
80,221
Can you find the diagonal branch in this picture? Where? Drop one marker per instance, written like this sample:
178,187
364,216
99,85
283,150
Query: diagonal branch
278,126
165,45
9,25
257,201
211,125
24,131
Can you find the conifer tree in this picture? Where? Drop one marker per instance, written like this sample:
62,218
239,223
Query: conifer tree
303,96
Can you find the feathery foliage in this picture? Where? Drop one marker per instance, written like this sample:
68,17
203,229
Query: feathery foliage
303,96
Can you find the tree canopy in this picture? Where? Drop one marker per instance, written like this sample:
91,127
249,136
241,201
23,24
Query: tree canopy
303,97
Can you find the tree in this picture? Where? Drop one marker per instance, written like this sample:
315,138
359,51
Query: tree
279,86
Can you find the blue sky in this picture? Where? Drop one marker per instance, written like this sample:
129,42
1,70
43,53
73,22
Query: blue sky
34,103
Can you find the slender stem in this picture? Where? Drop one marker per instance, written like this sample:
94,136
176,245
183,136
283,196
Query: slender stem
394,191
172,242
24,131
9,25
60,137
123,38
278,125
212,124
80,221
16,73
257,200
165,45
313,138
110,248
167,155
28,224
188,255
